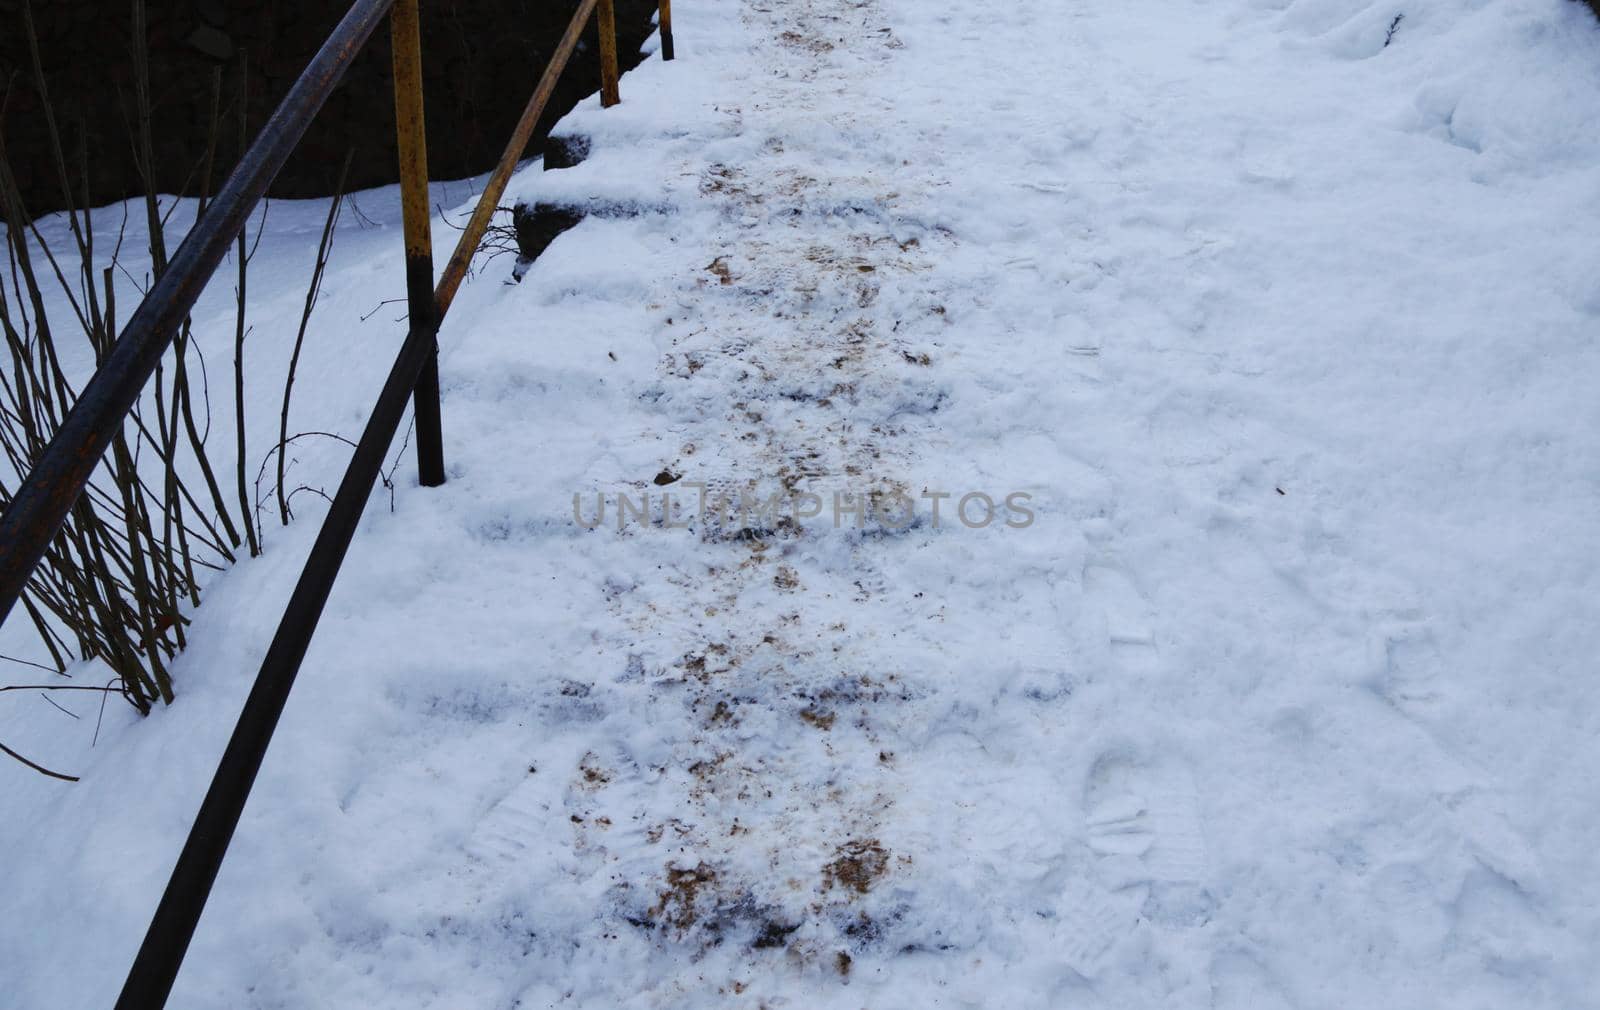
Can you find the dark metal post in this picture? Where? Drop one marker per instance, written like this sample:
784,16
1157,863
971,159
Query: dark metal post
610,93
406,34
156,966
666,29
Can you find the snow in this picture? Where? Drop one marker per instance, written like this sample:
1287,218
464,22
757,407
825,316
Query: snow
1286,698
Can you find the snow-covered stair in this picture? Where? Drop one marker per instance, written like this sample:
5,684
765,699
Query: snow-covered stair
1276,695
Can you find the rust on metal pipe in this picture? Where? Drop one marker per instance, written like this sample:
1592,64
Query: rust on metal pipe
610,93
666,29
406,39
456,270
412,141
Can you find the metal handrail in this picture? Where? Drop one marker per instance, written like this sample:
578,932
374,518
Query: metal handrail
51,488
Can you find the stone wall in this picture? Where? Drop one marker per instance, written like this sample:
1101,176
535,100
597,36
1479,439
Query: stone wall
481,58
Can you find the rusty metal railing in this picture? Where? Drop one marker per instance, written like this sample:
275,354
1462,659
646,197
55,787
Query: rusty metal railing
58,478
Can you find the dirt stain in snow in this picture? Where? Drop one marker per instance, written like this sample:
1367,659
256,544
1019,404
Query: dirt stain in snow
857,866
677,904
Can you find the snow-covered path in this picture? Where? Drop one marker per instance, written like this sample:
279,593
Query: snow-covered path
1284,698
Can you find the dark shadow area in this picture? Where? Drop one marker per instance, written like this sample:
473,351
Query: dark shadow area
481,60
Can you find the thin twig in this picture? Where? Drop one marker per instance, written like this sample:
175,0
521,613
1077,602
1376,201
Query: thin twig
41,769
51,702
29,662
324,250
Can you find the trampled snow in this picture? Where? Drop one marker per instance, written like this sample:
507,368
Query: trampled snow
1280,314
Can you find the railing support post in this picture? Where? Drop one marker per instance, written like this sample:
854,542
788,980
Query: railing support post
666,29
606,18
406,34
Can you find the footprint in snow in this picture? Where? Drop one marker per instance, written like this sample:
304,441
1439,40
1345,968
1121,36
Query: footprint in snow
1128,617
1142,820
1240,982
1143,826
1089,923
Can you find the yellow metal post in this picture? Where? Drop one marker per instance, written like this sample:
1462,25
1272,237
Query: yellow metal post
610,93
406,34
666,29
